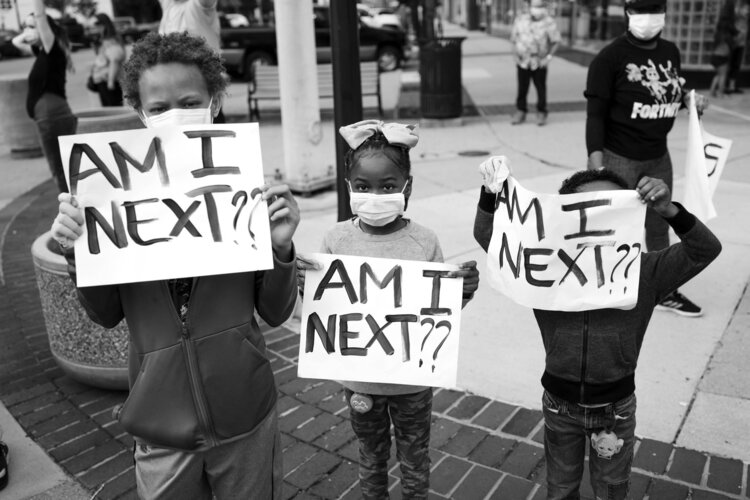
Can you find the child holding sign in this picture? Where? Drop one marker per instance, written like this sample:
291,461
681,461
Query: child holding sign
591,355
202,402
379,180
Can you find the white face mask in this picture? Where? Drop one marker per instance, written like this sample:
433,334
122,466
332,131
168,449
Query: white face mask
179,116
537,12
646,26
377,209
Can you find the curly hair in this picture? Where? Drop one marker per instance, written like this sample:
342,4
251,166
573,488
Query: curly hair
377,144
154,49
572,183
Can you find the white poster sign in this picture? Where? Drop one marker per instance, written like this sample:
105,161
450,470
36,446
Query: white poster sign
381,320
168,202
567,252
706,156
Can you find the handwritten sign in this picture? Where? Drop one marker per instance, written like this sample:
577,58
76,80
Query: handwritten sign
566,252
381,320
706,156
169,202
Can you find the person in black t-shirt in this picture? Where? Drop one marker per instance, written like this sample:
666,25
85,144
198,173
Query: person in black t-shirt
634,91
46,102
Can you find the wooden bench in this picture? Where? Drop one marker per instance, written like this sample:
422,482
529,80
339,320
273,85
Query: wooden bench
265,85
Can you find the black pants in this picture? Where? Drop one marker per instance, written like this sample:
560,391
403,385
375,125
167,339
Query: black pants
107,96
53,118
539,77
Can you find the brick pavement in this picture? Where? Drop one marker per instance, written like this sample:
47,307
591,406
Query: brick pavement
480,448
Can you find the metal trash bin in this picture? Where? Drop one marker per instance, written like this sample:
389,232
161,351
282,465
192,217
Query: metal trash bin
440,78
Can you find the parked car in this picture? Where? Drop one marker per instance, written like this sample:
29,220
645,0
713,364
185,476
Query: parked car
7,49
243,48
380,18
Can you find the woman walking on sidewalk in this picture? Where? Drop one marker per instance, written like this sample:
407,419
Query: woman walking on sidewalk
46,102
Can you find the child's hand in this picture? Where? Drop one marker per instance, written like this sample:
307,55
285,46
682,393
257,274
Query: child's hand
656,194
283,214
68,225
494,171
303,264
469,272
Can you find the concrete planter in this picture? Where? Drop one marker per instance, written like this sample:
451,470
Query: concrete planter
84,350
17,130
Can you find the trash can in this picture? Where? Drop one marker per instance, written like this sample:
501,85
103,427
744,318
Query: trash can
440,78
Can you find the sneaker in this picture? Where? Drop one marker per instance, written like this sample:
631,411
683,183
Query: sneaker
3,465
518,117
541,119
679,304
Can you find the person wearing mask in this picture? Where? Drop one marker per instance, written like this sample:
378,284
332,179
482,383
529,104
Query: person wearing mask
110,54
633,92
202,401
535,38
46,102
199,18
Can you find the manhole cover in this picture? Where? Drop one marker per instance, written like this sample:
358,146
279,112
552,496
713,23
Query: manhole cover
473,152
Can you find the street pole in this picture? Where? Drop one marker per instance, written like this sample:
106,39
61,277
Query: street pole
304,166
347,87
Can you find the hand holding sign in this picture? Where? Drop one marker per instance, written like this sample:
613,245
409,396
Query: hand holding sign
469,272
656,194
494,171
283,214
68,225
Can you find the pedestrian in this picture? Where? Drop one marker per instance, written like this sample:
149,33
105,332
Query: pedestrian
199,18
591,356
109,57
634,91
380,183
46,102
535,39
202,402
737,13
720,55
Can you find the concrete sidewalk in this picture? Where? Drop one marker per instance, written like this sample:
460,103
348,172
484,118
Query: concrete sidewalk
693,387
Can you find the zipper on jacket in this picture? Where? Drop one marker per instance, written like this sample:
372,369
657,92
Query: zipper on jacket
195,384
584,356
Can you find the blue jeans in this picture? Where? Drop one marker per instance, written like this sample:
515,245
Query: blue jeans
411,416
567,433
657,229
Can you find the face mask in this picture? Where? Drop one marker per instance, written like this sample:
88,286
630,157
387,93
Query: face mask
377,209
30,35
179,116
646,26
537,12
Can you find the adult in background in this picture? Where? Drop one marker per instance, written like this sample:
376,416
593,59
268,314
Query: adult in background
46,102
197,17
634,91
736,13
110,54
535,38
724,36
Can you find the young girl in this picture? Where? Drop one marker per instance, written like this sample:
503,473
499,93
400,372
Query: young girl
379,180
206,427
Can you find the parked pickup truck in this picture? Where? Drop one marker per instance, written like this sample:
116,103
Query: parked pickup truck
243,48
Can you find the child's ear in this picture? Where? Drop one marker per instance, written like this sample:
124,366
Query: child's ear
407,190
216,103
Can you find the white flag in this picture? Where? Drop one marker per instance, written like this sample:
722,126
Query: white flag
705,160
